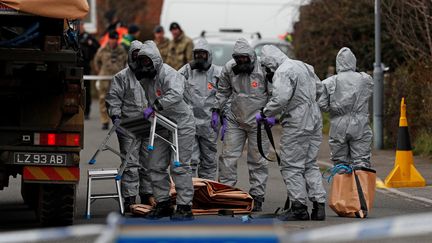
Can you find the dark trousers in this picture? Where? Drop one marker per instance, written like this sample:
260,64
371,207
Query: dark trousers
87,85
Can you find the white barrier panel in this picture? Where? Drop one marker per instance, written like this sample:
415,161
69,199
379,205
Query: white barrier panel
51,233
401,226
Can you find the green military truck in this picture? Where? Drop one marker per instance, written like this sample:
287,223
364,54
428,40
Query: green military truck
41,105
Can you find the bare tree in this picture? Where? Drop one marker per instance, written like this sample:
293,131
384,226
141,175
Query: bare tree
325,26
409,23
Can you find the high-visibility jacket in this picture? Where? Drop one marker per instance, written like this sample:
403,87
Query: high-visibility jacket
121,31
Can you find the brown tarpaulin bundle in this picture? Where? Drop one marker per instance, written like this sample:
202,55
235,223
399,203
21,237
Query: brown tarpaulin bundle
210,197
350,197
62,9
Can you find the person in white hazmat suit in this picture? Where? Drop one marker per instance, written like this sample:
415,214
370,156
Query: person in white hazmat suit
124,99
346,96
242,83
296,88
200,93
164,88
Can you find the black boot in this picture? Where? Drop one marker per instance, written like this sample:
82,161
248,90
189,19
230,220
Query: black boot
257,203
105,126
183,213
318,211
162,209
128,201
287,204
298,211
145,198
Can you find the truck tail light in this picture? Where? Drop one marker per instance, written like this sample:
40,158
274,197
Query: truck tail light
57,139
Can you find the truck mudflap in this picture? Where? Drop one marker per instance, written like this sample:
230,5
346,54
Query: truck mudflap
47,174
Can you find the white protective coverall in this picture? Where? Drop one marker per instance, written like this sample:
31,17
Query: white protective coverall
296,88
200,94
247,94
125,99
165,91
346,96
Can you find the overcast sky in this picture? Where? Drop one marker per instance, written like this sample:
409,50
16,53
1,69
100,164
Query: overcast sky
270,17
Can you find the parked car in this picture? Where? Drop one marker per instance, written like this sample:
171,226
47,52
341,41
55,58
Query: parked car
222,43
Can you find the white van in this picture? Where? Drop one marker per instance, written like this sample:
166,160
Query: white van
271,18
222,44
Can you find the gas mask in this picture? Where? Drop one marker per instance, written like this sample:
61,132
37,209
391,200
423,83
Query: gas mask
145,68
200,60
243,64
269,74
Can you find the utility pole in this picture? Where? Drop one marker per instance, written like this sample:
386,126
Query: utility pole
378,94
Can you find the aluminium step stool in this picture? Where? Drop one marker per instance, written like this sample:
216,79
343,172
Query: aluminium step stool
103,174
133,128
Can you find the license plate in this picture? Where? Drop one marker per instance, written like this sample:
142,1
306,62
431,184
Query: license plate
40,158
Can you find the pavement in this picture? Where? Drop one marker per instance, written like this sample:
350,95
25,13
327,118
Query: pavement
389,202
383,162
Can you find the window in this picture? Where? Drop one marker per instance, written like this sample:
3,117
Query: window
222,53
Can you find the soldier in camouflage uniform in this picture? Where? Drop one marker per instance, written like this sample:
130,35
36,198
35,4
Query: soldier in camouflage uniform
109,60
161,41
180,48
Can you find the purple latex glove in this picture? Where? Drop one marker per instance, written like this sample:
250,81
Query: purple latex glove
224,127
116,122
115,119
259,117
215,120
271,121
148,112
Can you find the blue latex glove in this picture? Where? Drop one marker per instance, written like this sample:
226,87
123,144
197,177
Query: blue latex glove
215,121
271,121
224,127
259,117
148,112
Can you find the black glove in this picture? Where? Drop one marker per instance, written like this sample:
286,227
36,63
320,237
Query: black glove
157,105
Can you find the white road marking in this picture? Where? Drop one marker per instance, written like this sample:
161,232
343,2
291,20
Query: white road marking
392,227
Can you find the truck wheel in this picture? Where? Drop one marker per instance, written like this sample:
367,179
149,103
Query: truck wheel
57,204
30,194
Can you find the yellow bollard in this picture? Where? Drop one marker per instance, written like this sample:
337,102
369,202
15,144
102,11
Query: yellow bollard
404,174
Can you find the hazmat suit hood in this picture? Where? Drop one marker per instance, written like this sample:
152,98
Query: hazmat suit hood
135,45
202,45
150,50
345,60
272,57
242,47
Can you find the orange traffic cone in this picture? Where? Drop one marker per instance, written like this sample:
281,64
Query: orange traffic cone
404,174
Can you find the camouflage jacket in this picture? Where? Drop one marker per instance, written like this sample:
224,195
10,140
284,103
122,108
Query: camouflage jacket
180,52
163,48
110,61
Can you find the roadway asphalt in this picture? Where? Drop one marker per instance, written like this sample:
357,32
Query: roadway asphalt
16,216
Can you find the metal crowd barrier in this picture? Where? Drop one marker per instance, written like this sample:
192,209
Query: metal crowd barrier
97,77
